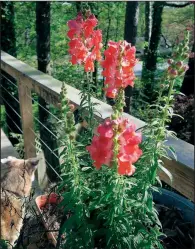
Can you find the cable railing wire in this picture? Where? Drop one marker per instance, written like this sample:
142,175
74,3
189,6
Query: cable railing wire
45,127
43,107
10,94
14,123
53,169
15,85
45,144
10,129
50,165
11,107
9,81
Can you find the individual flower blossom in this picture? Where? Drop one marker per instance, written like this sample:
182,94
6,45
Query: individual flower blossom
101,149
102,145
85,42
118,67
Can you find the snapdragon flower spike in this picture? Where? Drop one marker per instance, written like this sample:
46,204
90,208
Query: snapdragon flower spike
177,65
85,42
101,149
118,67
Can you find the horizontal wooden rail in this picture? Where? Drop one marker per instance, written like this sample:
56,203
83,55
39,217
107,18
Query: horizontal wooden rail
49,88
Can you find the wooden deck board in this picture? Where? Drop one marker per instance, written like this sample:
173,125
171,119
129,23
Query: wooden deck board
7,148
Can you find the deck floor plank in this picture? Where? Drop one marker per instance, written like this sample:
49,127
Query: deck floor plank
7,148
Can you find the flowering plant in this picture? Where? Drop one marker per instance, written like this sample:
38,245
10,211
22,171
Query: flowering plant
85,42
109,195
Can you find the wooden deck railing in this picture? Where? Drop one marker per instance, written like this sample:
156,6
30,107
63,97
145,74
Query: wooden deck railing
30,79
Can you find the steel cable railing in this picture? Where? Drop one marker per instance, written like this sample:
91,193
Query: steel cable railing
36,128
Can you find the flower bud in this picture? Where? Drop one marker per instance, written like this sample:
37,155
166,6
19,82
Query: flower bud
72,107
186,55
185,68
169,69
179,64
113,117
170,61
173,73
191,55
72,136
174,55
69,114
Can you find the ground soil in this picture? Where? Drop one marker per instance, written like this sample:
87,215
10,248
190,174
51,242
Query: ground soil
180,234
53,217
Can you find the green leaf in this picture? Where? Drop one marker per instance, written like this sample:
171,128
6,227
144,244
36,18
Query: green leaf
166,172
69,224
159,181
173,152
3,244
86,168
149,203
127,242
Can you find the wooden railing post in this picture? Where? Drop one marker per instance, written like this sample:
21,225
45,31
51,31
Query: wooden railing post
27,119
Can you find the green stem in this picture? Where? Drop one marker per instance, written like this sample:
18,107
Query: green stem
165,112
162,127
117,112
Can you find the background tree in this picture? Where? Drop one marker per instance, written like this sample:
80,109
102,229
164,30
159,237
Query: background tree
43,58
147,36
148,21
150,58
8,44
188,83
130,34
78,6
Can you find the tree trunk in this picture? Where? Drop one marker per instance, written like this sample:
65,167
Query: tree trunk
131,22
148,21
109,100
43,57
148,30
8,44
108,29
78,6
188,83
151,58
150,55
130,34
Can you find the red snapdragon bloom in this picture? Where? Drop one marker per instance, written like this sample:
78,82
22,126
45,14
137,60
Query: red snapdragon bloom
85,42
118,67
102,145
101,149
